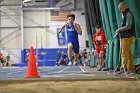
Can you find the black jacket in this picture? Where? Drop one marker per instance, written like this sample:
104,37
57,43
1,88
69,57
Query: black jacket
128,26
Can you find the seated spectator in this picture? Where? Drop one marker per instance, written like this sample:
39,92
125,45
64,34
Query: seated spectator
87,59
63,58
81,56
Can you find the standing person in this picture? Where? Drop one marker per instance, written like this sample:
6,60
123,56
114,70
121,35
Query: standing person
27,57
8,59
127,33
72,29
58,57
99,41
1,58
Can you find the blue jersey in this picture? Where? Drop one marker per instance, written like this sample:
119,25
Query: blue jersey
72,35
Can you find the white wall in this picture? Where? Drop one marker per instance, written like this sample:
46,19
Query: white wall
13,40
36,37
11,1
33,35
10,17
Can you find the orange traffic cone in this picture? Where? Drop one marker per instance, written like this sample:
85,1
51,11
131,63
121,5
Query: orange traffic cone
32,71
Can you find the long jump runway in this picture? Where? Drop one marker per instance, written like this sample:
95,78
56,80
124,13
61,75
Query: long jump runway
62,73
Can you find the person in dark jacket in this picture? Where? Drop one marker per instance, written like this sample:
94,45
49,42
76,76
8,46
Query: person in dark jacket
127,34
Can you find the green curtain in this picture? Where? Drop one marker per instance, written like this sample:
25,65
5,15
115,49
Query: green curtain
92,16
111,20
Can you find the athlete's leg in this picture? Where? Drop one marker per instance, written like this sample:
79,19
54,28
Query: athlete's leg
97,52
101,61
70,46
76,52
101,56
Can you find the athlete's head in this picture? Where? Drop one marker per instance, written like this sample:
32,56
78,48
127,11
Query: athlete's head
71,18
98,29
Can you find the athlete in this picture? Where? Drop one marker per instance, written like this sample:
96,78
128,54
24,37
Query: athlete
73,30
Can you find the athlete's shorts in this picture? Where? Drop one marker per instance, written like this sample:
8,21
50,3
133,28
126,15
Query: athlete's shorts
75,46
99,50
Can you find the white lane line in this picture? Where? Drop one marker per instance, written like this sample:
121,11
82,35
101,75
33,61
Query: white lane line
51,76
48,69
82,69
63,69
15,72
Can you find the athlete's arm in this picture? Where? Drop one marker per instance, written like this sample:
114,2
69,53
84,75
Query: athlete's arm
78,28
65,23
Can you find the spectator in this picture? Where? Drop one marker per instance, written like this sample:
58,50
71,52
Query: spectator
27,57
63,59
99,41
87,59
81,57
2,61
127,35
7,60
1,56
58,57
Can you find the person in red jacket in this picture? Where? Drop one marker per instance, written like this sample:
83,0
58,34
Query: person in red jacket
99,41
1,57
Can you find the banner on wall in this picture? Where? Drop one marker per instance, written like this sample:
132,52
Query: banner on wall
61,37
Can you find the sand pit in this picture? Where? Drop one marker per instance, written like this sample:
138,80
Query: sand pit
100,86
